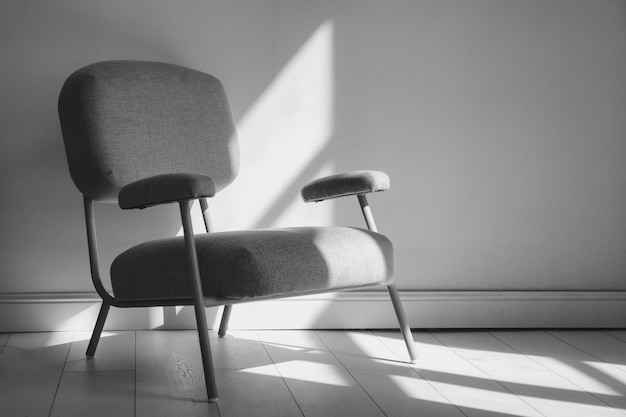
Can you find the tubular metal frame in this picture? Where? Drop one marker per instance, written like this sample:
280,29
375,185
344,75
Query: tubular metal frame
199,301
391,288
393,291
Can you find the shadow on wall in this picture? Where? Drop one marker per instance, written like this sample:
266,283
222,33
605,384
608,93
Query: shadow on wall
46,42
41,211
285,142
285,135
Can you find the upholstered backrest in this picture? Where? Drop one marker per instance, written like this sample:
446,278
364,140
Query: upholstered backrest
127,120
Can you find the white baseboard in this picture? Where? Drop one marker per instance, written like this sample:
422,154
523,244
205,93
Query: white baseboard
349,310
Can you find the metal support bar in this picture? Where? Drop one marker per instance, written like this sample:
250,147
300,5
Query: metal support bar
97,331
208,225
198,301
225,318
393,292
92,245
404,324
367,213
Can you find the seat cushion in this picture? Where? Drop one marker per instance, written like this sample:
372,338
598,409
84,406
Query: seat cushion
259,263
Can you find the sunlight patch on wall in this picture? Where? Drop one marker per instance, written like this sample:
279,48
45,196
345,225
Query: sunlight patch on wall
81,320
297,213
281,135
59,338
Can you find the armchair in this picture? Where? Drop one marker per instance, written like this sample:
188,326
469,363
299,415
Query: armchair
141,134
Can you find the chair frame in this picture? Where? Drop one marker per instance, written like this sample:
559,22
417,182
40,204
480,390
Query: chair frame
201,302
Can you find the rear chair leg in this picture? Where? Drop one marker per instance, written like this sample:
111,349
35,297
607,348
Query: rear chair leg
97,331
225,318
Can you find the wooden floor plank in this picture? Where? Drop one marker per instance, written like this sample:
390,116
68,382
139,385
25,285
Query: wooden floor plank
361,350
317,380
116,352
238,350
31,365
404,393
600,345
169,378
618,334
4,337
487,353
554,396
248,382
96,394
324,373
602,380
541,388
469,388
254,392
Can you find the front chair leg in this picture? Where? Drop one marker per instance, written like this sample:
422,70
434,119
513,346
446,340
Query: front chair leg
97,331
404,324
393,292
198,302
225,318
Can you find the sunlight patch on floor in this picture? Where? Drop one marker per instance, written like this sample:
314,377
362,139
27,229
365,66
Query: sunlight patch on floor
306,371
482,399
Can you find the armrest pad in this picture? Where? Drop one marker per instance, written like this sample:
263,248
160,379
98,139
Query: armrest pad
349,183
165,188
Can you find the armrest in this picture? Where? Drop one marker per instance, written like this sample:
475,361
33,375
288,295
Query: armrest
349,183
165,188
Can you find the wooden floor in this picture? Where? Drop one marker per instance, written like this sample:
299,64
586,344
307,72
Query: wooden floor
317,373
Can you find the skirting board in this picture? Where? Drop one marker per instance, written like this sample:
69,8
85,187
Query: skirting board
344,310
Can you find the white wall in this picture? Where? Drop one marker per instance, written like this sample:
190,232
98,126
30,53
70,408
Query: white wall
501,123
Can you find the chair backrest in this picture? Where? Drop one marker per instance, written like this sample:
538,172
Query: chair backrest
127,120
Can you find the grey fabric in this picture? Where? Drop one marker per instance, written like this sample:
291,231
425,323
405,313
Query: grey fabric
256,263
165,188
349,183
123,121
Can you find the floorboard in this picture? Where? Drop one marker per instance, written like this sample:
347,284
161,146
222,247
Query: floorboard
256,392
618,334
248,382
464,384
115,352
96,394
604,381
3,340
317,373
318,381
31,365
169,378
404,393
600,345
361,350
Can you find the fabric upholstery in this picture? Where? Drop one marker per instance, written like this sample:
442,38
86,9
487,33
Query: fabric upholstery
123,121
165,188
349,183
251,264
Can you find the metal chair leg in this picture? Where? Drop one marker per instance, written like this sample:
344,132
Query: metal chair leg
225,318
404,324
205,351
393,292
198,302
97,331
